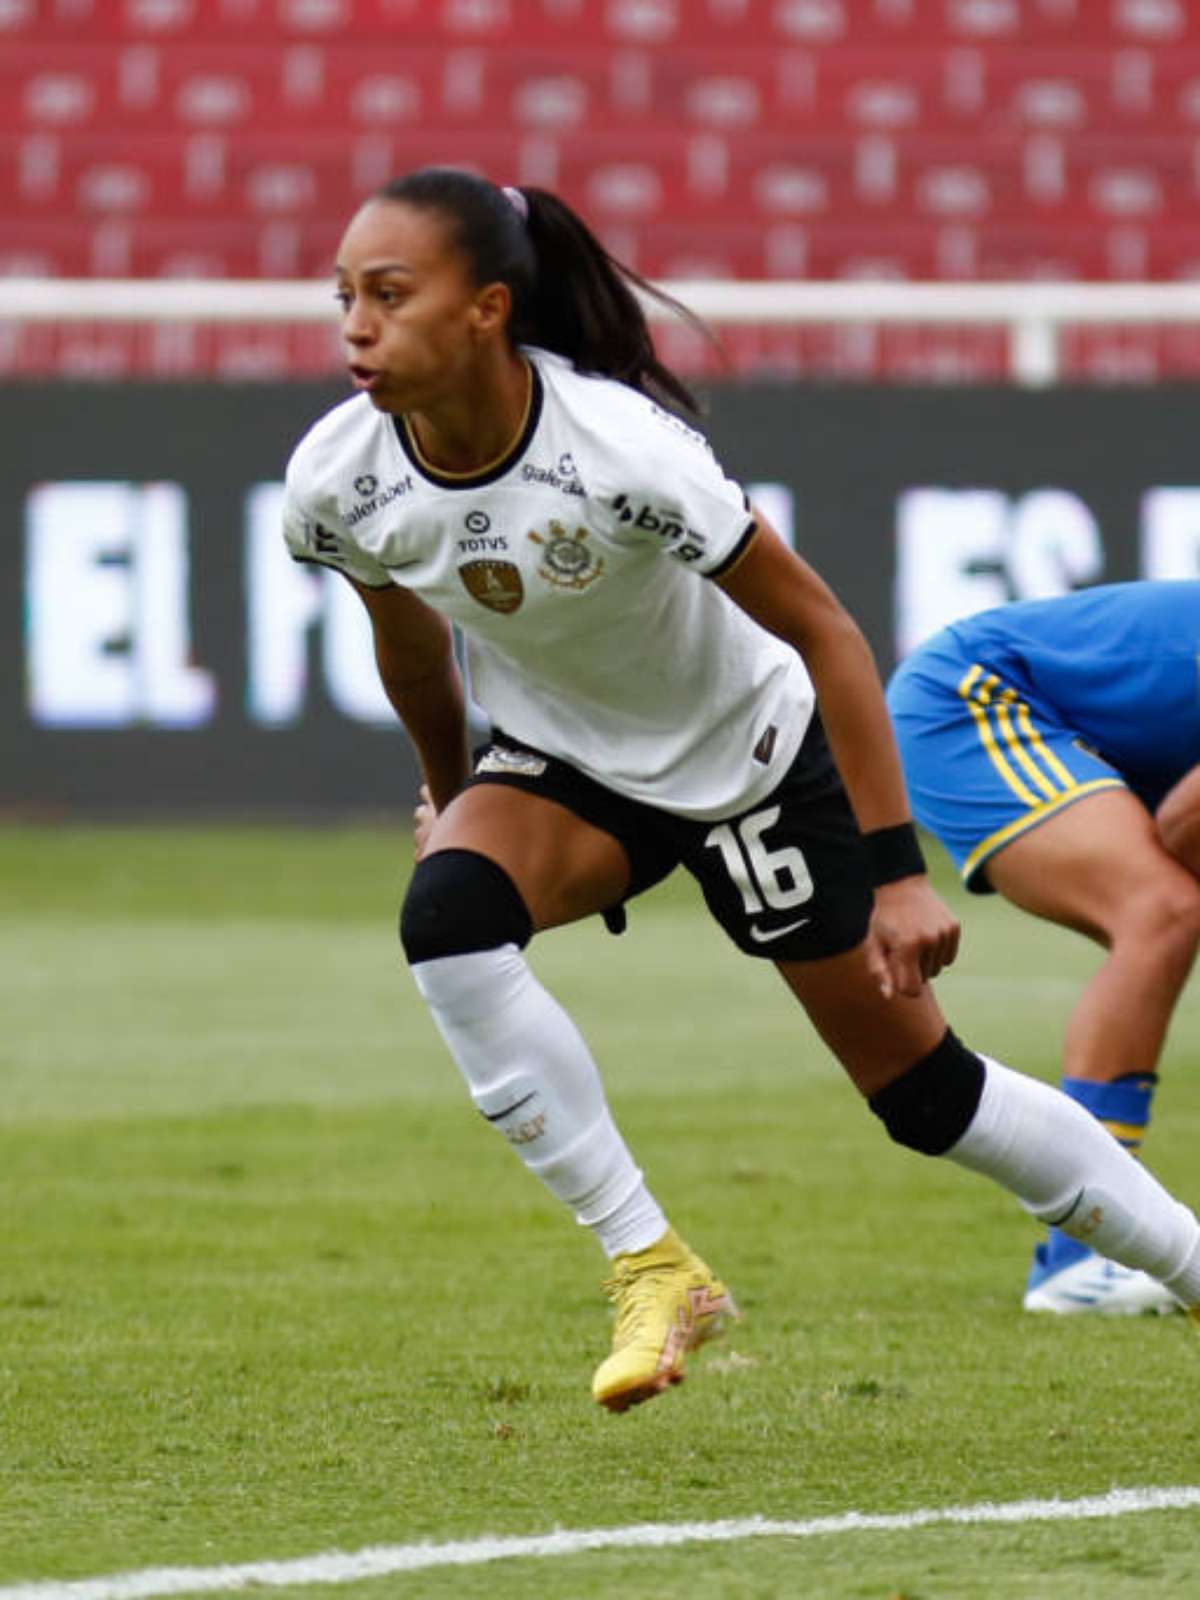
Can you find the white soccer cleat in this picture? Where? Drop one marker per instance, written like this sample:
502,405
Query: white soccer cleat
1096,1285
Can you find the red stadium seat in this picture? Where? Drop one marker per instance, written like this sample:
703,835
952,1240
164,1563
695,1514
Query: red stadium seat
915,139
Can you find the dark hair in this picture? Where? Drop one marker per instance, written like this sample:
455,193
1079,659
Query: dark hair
569,295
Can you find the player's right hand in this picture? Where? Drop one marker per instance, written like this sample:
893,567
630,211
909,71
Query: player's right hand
913,935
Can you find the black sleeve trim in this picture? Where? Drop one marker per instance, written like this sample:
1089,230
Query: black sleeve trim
736,554
328,566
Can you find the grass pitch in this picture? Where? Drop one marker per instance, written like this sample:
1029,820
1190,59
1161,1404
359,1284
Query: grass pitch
270,1288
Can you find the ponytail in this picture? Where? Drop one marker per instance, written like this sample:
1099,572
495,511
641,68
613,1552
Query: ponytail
569,295
584,305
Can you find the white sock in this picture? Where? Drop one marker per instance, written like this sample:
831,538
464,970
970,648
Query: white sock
1068,1170
533,1078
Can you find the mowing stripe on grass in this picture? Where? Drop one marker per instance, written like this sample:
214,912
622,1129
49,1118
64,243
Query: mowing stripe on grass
338,1566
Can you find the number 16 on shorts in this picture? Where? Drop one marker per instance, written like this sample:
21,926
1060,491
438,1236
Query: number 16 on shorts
775,880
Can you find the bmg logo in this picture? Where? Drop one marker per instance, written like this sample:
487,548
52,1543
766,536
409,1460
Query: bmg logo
682,541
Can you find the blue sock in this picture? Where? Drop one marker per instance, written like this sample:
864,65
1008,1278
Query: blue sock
1123,1106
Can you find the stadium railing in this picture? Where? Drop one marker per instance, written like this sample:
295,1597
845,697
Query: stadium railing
1033,315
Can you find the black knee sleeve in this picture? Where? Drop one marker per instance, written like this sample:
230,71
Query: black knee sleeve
457,902
931,1106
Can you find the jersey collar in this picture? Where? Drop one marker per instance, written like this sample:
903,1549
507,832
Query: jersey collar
494,469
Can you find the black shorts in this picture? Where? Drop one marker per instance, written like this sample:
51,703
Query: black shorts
787,879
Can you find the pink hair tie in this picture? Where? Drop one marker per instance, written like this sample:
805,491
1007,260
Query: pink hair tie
518,202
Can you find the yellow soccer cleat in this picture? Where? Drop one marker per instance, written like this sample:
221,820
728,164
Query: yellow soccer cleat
668,1302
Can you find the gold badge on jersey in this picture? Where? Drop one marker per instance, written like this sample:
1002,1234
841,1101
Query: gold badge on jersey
495,584
567,562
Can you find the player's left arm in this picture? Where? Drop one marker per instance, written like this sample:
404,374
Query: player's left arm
1178,821
914,934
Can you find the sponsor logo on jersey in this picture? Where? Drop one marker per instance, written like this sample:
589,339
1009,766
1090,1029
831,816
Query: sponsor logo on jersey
495,584
480,542
567,562
563,476
686,543
368,484
320,539
498,758
483,545
765,748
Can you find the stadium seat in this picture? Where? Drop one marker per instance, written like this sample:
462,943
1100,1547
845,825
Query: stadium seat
965,139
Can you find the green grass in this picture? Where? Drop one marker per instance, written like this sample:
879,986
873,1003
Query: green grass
268,1287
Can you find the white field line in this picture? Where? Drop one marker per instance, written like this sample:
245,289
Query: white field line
337,1566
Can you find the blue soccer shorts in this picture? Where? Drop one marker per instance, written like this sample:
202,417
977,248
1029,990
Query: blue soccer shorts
985,761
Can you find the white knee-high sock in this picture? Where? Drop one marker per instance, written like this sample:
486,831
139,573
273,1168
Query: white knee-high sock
532,1076
1068,1170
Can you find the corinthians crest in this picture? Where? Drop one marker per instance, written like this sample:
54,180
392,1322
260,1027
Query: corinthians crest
567,561
495,584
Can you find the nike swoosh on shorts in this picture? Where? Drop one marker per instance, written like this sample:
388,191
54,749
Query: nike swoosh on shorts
764,936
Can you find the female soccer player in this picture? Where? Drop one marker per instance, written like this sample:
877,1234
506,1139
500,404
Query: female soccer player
1052,746
651,654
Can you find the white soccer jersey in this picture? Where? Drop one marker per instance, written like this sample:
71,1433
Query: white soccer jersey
578,570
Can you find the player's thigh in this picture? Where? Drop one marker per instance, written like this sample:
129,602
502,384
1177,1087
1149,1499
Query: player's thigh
876,1040
565,868
1091,865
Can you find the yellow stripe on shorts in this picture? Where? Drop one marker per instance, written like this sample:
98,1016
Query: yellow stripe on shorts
1047,755
976,691
1043,809
1047,777
1006,700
